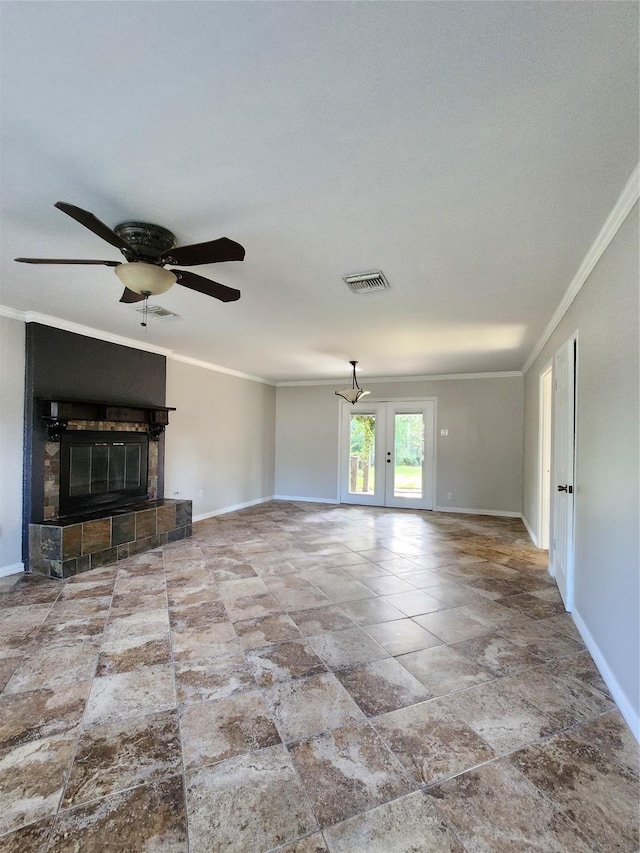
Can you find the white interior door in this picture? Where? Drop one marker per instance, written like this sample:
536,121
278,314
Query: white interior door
387,456
562,542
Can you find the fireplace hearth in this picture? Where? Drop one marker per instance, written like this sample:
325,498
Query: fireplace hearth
68,546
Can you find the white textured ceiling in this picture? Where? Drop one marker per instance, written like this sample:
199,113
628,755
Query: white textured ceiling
471,151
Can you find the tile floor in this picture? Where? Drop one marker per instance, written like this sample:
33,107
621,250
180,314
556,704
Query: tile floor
308,678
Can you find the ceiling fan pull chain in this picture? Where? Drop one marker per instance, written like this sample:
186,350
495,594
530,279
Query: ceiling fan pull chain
144,312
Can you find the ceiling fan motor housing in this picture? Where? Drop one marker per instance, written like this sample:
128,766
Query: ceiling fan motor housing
148,242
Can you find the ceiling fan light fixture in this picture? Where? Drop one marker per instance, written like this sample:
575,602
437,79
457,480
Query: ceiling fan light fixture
145,279
352,392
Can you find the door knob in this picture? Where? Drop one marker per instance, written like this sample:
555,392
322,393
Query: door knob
568,489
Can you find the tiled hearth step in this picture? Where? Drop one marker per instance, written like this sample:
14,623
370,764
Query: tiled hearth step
64,547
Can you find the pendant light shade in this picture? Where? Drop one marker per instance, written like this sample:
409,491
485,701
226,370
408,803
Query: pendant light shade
146,279
352,392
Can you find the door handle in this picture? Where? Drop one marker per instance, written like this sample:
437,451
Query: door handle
567,489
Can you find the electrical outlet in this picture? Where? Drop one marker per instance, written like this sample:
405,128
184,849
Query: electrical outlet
449,496
444,432
200,493
175,494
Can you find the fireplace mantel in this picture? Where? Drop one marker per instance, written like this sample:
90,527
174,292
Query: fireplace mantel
56,413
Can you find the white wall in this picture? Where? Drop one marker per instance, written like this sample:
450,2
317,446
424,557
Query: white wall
607,595
12,336
479,462
220,440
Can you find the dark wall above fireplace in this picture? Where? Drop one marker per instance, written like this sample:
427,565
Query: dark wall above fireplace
64,365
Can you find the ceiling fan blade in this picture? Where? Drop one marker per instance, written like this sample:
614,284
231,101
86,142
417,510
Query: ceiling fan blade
130,296
65,261
206,286
93,224
213,252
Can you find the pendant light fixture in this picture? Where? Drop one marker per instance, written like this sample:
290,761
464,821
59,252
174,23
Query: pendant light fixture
353,392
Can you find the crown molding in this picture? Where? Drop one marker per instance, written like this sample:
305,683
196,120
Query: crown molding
207,365
79,329
621,209
12,313
439,377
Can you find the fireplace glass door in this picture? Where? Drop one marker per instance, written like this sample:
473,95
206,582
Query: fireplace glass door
99,469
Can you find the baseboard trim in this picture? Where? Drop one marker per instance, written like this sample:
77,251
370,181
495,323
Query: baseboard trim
15,569
224,510
631,715
466,511
305,500
532,535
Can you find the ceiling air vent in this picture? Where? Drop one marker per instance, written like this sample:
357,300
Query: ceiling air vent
156,311
365,282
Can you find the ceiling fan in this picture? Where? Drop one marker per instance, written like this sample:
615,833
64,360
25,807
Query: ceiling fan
147,249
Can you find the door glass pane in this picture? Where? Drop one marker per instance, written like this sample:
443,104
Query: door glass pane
99,469
362,446
116,467
132,467
79,470
409,454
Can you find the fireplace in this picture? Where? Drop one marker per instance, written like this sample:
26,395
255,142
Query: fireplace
102,470
101,501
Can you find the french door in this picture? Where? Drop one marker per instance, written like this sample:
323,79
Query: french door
387,456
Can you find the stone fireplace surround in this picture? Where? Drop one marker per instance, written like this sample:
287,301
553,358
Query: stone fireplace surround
62,547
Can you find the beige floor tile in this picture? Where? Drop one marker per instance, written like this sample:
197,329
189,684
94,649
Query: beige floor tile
597,791
216,730
431,742
248,803
148,817
347,771
414,603
321,620
443,670
496,654
53,667
113,756
496,808
36,714
131,694
283,661
309,706
505,723
451,625
32,778
265,630
402,636
381,686
370,611
406,825
213,678
351,647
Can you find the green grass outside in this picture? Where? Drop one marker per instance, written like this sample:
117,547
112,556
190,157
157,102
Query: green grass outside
408,478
